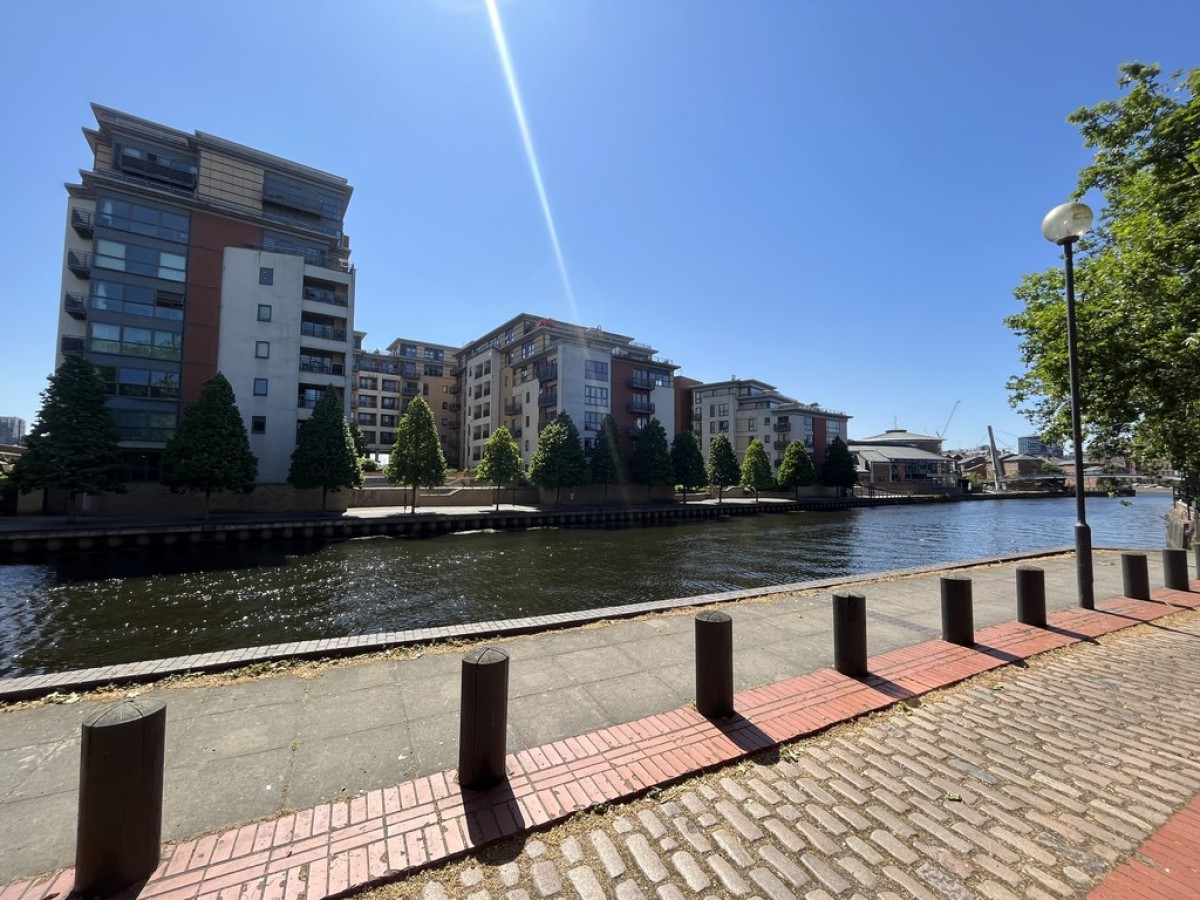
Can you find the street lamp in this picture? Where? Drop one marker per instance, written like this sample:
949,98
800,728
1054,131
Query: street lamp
1064,225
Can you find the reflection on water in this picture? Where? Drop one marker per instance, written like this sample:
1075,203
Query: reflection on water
92,609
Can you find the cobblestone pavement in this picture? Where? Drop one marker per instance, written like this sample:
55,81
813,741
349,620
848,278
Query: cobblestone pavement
1027,783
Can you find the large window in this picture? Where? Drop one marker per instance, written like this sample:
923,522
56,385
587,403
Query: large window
136,300
139,260
595,369
138,219
144,424
434,354
592,420
594,395
153,384
125,340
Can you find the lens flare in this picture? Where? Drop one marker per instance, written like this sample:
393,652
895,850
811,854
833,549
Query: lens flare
510,76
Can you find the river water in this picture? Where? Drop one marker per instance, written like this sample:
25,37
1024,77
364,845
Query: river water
94,609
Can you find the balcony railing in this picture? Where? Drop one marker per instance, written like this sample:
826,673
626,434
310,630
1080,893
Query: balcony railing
312,257
546,372
321,295
781,443
146,433
646,409
325,367
80,263
454,425
635,431
513,409
456,388
306,402
81,221
515,432
550,399
293,200
410,390
71,346
783,426
454,406
327,332
75,305
640,384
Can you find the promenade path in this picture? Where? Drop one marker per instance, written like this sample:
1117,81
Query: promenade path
261,747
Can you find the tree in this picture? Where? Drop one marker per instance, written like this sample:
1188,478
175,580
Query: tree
361,449
688,461
210,451
73,444
325,456
559,461
796,470
416,457
839,469
1137,282
501,463
756,469
722,465
606,463
651,463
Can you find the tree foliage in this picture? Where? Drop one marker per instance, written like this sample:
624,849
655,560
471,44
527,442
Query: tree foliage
688,461
796,470
607,465
559,461
756,469
722,464
651,463
325,456
1137,284
210,450
360,441
501,463
839,468
73,444
416,459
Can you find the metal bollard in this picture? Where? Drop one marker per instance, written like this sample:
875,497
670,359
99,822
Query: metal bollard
1196,551
483,719
119,831
1031,596
1175,573
850,634
1135,575
958,617
714,664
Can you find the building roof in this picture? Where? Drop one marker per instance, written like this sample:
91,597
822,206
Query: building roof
886,453
897,436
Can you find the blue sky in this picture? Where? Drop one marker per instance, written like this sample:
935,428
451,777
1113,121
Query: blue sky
836,198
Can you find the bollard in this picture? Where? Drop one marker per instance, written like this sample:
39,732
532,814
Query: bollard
714,664
119,831
958,618
1031,596
1196,551
483,719
850,634
1135,575
1175,573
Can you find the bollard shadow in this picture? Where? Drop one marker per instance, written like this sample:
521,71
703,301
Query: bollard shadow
132,892
494,815
1067,632
744,734
1003,655
890,689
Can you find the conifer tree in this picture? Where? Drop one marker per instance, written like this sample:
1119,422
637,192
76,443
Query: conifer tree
73,444
361,449
756,469
651,463
501,463
210,450
688,461
839,468
796,470
559,461
722,465
606,464
325,456
416,458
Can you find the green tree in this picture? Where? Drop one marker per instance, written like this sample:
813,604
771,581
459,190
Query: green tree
839,469
416,459
688,461
559,461
72,445
325,456
1137,284
722,465
210,451
756,469
796,470
651,463
501,463
607,466
361,449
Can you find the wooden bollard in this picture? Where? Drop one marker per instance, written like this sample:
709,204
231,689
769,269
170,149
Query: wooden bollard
1031,596
483,719
958,617
1135,576
1175,569
714,664
850,634
119,829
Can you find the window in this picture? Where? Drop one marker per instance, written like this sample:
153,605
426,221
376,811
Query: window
388,403
433,371
262,349
150,383
130,341
266,275
595,369
408,350
366,418
389,384
138,219
723,424
368,437
434,354
144,425
591,421
258,424
136,300
387,437
264,312
368,384
139,260
387,421
723,409
260,387
595,396
368,400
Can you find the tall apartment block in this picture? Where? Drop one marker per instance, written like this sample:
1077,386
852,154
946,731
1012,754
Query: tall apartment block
522,374
744,409
187,254
12,430
386,382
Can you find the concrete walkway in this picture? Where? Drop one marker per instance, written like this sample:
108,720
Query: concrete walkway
254,749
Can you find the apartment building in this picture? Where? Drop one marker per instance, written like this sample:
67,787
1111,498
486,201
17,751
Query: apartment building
529,369
385,382
12,430
187,254
744,409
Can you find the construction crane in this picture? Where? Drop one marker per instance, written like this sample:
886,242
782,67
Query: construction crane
953,410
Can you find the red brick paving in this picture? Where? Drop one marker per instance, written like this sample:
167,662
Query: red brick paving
346,845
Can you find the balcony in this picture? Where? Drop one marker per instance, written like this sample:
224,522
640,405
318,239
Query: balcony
81,221
306,402
513,409
454,425
325,332
410,390
321,295
318,258
454,406
783,426
177,175
548,399
635,431
456,388
642,409
294,201
80,263
515,432
75,305
781,443
323,366
640,383
71,346
546,372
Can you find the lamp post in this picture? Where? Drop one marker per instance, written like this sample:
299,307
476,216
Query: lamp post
1064,225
